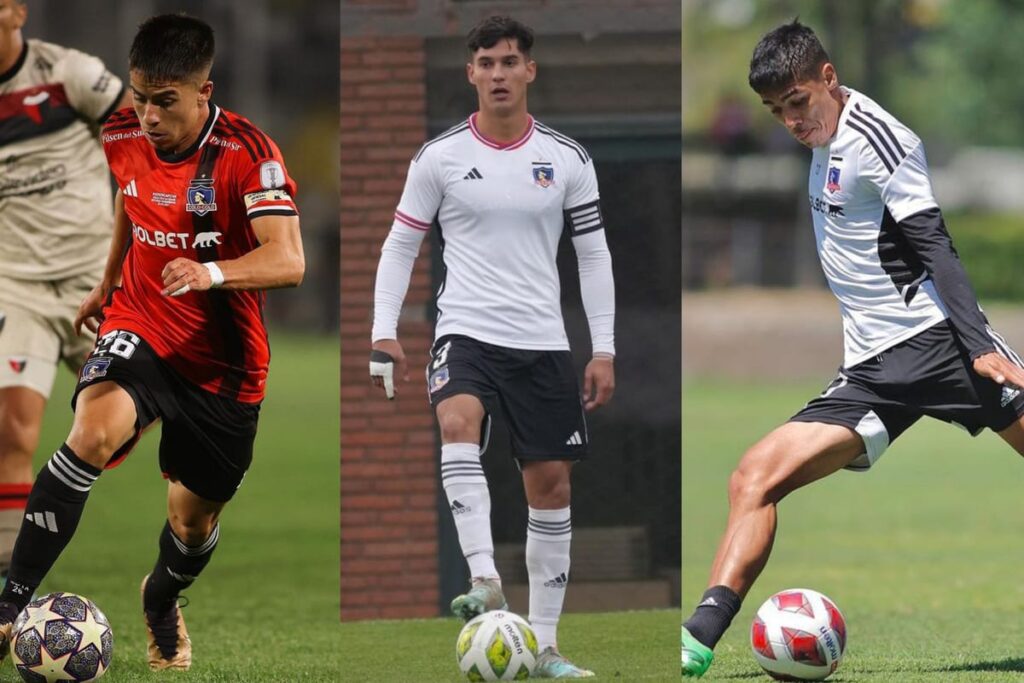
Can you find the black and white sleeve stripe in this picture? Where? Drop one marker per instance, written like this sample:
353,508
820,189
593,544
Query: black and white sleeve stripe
879,135
584,218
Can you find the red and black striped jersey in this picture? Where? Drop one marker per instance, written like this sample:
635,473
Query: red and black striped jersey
197,204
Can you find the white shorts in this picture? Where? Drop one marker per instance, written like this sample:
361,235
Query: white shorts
36,330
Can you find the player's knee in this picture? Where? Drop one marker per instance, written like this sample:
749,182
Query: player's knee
751,484
18,441
457,427
95,445
192,530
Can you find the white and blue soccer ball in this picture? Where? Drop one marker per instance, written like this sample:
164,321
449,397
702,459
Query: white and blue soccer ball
798,635
496,646
61,637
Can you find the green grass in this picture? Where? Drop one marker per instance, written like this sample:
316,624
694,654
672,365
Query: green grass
266,608
623,646
922,554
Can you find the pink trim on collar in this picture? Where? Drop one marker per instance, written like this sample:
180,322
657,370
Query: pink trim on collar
494,144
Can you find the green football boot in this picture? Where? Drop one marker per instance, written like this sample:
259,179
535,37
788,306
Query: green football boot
484,596
551,664
696,657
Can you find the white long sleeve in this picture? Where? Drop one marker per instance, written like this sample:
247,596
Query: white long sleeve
597,289
394,271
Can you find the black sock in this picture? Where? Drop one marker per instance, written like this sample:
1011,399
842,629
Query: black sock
51,516
176,568
713,615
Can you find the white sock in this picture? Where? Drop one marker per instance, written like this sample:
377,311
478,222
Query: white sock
548,535
464,483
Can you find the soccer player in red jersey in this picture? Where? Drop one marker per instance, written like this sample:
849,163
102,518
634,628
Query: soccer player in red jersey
204,220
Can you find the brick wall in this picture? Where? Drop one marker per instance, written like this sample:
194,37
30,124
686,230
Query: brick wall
388,459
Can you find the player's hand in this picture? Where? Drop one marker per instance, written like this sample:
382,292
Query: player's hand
598,382
90,311
184,275
386,363
1000,370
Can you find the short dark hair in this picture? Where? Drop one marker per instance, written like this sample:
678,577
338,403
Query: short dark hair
172,48
488,32
789,54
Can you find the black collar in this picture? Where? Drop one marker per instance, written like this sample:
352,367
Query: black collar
175,157
9,74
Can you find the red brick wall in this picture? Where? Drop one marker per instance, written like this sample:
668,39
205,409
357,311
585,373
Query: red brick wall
388,459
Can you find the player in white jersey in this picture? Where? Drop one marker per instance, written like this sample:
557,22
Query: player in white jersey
56,216
916,341
501,188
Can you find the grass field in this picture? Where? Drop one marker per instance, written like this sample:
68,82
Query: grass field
621,646
266,609
922,554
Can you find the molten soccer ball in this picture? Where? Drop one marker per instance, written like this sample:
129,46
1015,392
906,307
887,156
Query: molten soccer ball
496,646
61,637
798,635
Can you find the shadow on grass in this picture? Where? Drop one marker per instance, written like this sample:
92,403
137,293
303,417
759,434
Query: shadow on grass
1008,664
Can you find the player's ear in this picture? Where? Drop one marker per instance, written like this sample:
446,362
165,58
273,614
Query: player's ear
205,91
531,70
469,71
829,75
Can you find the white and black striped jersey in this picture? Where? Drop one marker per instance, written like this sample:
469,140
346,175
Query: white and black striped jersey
868,179
500,210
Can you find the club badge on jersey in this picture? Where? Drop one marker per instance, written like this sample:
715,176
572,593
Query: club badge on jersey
543,174
833,179
200,197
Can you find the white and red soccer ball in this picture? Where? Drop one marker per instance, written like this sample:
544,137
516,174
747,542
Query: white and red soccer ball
798,635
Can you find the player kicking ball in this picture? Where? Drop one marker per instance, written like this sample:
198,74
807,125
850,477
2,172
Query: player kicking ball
203,221
501,188
916,342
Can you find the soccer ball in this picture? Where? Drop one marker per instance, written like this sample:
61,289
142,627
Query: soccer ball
496,646
61,637
798,635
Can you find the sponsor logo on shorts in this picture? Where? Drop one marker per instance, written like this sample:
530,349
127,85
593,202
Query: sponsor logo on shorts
1008,395
574,440
200,197
438,379
17,364
94,368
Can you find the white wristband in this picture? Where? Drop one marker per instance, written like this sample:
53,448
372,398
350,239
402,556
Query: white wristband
216,274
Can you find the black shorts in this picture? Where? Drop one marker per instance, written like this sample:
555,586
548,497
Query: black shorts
206,441
929,374
536,390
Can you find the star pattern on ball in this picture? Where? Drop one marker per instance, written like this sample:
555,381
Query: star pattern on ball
92,631
52,669
38,617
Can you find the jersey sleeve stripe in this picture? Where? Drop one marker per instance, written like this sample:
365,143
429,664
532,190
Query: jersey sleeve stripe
871,141
447,134
255,135
878,136
565,140
274,211
261,136
885,127
584,218
411,222
228,131
581,154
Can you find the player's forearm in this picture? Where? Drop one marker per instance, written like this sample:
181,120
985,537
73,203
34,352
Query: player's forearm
394,272
269,266
926,232
119,240
597,289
